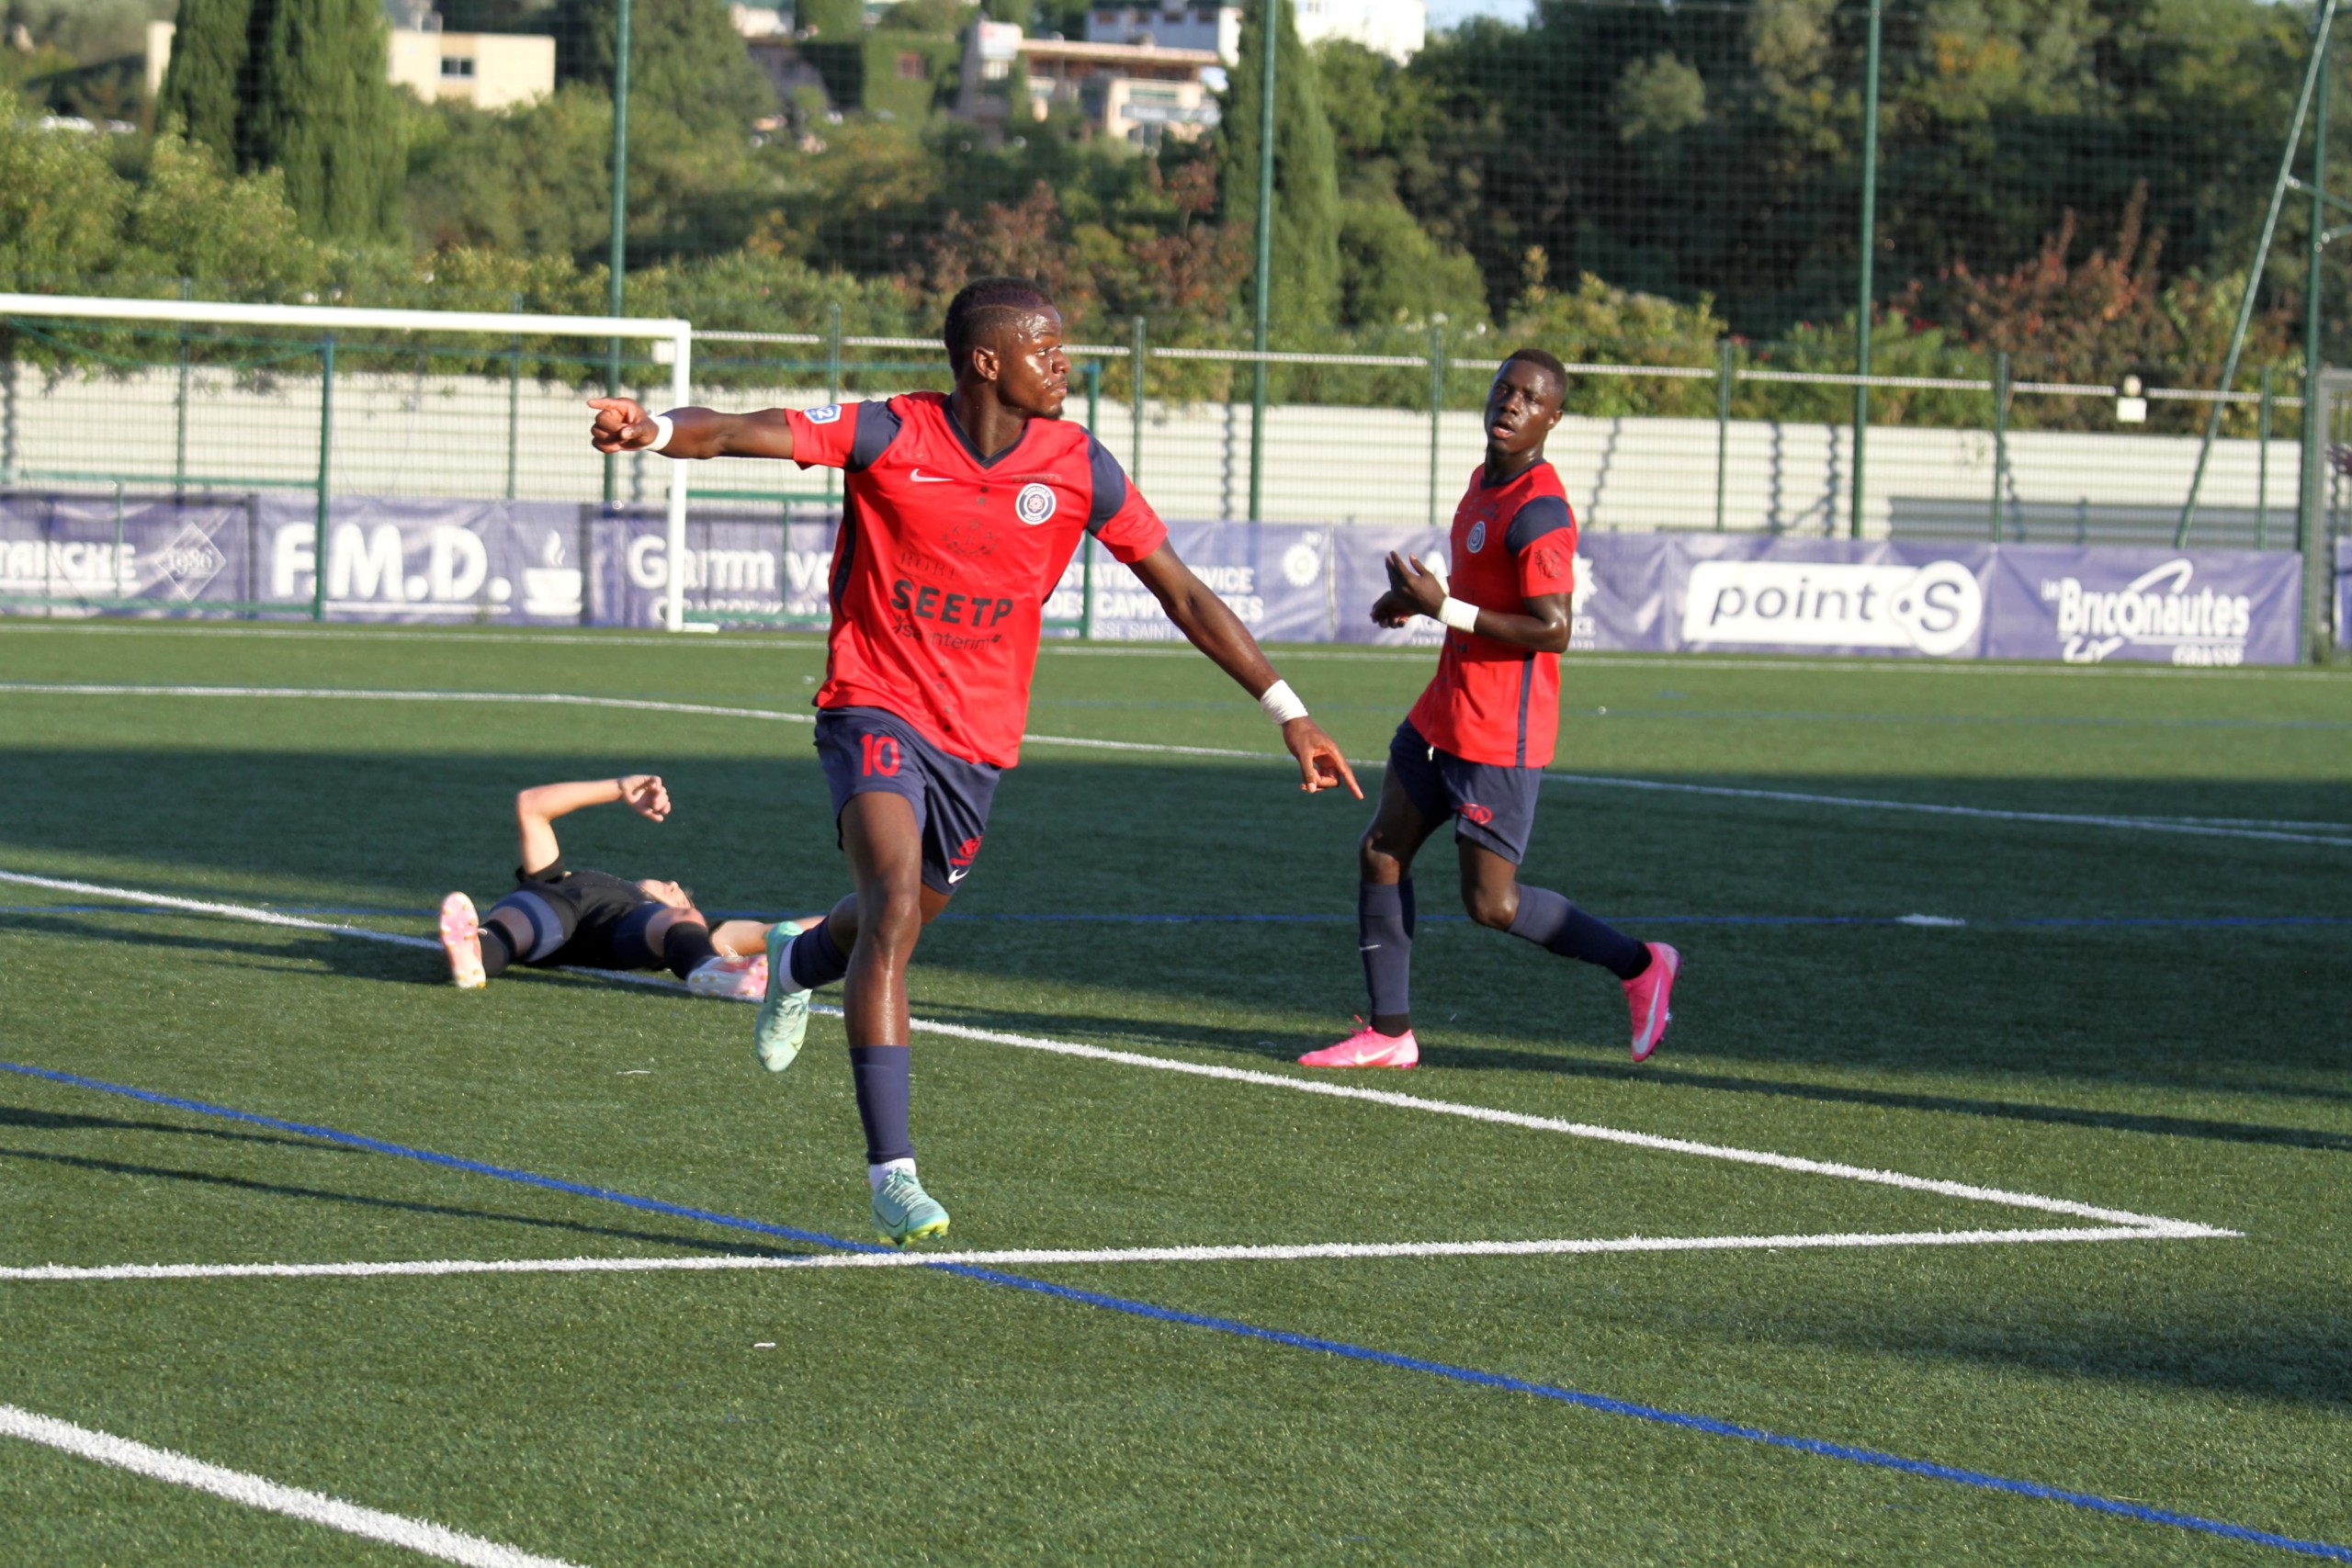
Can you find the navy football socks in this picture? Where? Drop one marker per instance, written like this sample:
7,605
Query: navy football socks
1385,935
885,1079
497,950
813,959
1550,921
685,947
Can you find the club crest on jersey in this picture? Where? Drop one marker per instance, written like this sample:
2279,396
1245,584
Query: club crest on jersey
1477,539
1035,504
825,415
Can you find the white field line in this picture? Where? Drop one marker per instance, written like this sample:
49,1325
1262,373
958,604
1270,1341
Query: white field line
567,699
815,642
2137,824
330,693
1973,1193
254,1491
1050,1256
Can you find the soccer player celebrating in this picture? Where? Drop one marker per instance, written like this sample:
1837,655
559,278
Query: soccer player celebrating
961,511
1475,746
557,915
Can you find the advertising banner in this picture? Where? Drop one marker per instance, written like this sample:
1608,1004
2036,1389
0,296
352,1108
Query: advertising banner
1276,577
769,567
399,560
2344,592
523,563
167,553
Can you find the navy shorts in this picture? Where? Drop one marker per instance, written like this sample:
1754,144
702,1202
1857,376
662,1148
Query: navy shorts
1492,804
872,748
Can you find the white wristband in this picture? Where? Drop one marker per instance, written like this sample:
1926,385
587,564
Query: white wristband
1281,704
1462,616
663,428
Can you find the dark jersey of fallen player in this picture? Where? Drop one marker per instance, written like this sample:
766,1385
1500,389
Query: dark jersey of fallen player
946,559
598,918
1493,701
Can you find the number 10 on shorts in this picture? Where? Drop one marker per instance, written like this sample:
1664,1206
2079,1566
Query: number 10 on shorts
878,754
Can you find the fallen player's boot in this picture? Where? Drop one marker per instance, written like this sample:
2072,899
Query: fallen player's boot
783,1022
1367,1047
903,1212
461,940
731,979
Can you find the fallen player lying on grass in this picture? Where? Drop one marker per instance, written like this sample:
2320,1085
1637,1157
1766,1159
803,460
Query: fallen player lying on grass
593,919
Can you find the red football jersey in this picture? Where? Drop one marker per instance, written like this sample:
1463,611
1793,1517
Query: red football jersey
1492,702
945,558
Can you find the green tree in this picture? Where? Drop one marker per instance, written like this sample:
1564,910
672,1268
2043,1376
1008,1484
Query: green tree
684,58
204,86
322,112
61,205
1306,187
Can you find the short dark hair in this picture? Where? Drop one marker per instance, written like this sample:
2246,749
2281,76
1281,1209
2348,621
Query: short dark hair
984,304
1543,359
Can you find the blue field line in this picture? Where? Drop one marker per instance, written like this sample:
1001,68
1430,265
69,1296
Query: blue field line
1705,1425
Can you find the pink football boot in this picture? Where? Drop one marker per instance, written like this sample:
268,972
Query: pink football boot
1367,1047
461,940
1650,993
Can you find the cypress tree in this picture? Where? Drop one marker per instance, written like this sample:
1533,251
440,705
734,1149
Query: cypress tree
1306,183
324,111
686,58
204,86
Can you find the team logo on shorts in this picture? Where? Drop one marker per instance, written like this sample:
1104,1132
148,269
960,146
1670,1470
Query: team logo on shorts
1477,814
1477,539
825,415
1035,503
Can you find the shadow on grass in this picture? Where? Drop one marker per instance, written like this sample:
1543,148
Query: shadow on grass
440,1211
60,1121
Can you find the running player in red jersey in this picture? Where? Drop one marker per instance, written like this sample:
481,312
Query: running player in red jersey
1475,746
961,512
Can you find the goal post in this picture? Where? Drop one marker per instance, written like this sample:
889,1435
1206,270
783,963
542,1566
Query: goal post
671,339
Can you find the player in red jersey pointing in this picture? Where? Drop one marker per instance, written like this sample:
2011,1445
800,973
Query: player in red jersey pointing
1475,746
961,512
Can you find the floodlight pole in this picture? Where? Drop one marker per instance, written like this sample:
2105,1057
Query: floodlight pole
618,252
2313,74
1265,259
1870,247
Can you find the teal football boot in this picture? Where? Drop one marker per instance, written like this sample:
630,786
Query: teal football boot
783,1022
903,1212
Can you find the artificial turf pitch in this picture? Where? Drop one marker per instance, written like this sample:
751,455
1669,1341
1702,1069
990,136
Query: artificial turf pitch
2131,1017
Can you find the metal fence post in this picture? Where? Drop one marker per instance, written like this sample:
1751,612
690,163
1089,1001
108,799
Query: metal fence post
179,424
1723,370
1437,405
2262,468
1869,255
514,399
617,244
326,448
1134,404
1265,255
1086,557
2000,437
832,379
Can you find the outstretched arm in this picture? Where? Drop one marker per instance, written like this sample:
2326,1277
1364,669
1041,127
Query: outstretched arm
624,426
1213,627
1415,590
536,808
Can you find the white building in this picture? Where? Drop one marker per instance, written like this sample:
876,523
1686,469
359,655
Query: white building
488,70
1394,28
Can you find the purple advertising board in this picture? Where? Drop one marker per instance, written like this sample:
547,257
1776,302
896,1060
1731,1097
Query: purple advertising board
541,563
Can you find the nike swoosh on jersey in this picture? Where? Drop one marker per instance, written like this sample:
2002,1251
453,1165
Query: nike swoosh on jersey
922,478
955,876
